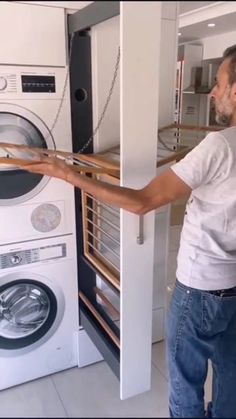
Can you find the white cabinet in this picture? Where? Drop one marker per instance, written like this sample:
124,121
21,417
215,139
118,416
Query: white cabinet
122,309
32,35
132,122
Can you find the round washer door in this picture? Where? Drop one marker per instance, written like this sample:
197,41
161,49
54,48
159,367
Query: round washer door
21,126
30,311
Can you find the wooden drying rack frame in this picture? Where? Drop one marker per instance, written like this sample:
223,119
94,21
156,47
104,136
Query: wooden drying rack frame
97,163
192,127
178,155
44,152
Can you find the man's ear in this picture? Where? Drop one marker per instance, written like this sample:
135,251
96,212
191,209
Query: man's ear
233,92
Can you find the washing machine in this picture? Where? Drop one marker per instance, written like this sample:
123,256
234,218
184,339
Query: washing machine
35,111
38,309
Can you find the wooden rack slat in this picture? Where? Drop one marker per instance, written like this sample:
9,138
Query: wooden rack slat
111,309
191,127
77,168
100,319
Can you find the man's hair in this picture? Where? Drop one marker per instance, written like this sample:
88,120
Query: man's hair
230,53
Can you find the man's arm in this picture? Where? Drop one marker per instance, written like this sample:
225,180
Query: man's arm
163,189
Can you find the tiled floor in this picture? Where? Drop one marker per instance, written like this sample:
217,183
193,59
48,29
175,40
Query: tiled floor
89,392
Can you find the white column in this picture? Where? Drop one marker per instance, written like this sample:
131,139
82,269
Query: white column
140,46
167,78
168,62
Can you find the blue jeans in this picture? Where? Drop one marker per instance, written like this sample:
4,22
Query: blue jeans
201,326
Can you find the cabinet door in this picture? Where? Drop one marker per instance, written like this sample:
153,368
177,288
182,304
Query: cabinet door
116,312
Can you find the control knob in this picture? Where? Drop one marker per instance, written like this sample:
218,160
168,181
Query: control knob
3,83
15,259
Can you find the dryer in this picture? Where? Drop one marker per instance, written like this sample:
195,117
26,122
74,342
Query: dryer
38,309
34,110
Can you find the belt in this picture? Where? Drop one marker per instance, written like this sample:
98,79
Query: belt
229,292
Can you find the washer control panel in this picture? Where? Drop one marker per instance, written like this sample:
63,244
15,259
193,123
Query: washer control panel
30,82
39,254
38,84
26,83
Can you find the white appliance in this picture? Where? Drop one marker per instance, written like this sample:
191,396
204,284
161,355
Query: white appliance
38,310
34,110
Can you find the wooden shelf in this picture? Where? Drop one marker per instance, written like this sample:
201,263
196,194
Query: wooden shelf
99,318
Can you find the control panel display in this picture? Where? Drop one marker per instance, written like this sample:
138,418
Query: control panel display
25,257
38,84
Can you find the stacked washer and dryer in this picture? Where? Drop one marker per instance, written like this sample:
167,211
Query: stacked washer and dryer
38,266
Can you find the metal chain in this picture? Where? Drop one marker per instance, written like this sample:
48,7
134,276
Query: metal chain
63,90
106,103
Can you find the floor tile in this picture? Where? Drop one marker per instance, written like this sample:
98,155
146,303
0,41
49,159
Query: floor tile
37,398
159,358
93,391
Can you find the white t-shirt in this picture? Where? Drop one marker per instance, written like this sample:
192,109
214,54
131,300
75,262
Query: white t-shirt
207,254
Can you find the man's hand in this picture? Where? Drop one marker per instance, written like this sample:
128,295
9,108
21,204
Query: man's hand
49,166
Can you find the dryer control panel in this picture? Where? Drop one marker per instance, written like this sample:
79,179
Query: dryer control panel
25,257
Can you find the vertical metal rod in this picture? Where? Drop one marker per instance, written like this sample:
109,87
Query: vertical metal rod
140,238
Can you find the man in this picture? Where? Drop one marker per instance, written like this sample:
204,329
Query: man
202,315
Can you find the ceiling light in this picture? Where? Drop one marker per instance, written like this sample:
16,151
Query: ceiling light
211,25
179,33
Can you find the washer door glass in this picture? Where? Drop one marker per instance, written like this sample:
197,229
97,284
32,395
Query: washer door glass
27,311
17,186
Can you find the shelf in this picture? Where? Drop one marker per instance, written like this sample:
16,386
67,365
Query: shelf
195,93
100,320
105,345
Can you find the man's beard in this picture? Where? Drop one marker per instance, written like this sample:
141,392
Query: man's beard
222,119
224,111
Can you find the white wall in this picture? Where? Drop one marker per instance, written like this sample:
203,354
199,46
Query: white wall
105,42
214,46
105,39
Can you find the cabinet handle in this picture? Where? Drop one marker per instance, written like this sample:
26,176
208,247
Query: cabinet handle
140,238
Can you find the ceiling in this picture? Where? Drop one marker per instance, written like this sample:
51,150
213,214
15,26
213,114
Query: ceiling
187,6
192,32
196,31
